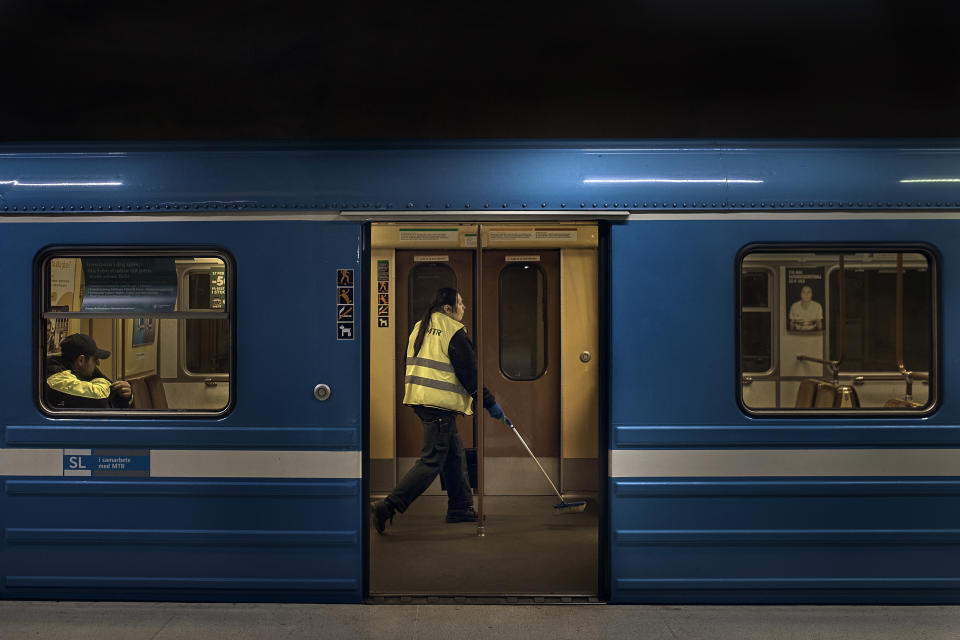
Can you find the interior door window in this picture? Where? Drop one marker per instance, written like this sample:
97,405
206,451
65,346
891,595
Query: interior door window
523,324
425,279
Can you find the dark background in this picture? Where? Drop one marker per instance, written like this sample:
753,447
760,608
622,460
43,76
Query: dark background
271,70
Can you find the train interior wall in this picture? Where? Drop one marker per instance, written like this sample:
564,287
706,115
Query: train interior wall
540,282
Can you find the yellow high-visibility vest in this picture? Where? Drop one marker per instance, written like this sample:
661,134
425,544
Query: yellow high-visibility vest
430,378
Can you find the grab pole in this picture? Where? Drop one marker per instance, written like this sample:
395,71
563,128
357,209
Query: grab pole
478,405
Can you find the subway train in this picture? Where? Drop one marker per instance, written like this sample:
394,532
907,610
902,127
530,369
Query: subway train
737,353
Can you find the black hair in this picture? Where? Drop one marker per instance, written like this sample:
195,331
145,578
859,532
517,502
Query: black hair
444,296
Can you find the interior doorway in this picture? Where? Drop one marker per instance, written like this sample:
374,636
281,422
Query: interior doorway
538,351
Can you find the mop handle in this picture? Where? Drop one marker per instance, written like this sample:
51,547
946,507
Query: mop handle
537,461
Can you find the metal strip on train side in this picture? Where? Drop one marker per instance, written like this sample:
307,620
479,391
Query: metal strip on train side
704,463
181,463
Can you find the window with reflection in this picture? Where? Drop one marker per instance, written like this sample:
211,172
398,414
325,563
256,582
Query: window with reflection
838,331
206,344
523,330
756,321
132,332
425,279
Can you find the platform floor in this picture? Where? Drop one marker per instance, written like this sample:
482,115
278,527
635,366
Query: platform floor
527,550
177,621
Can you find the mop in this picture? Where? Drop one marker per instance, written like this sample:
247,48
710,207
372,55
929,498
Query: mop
575,506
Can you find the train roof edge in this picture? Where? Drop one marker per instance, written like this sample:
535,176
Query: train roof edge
594,177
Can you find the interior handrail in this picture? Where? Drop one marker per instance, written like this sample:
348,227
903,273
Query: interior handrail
832,363
909,376
833,366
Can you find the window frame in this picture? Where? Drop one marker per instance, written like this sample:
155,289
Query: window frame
935,394
41,296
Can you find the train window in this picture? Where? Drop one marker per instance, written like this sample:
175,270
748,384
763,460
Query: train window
841,332
425,279
756,321
206,344
118,330
523,330
871,310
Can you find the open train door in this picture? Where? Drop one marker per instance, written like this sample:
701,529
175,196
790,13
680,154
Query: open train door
531,297
246,483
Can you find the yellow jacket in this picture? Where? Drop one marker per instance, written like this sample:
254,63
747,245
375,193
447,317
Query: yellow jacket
430,378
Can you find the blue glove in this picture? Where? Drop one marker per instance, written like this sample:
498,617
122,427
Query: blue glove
496,412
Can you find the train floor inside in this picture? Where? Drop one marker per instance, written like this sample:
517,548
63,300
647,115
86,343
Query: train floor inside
250,621
527,550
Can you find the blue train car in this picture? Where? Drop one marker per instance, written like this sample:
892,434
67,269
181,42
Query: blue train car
736,353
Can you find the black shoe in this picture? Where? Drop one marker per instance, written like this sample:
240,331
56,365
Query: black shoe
468,515
380,514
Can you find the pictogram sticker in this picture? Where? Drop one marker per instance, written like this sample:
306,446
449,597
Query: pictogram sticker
383,293
345,304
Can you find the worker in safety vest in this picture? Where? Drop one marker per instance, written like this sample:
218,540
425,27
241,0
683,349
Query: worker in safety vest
440,383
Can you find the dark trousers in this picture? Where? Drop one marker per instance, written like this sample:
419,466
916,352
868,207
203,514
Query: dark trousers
442,453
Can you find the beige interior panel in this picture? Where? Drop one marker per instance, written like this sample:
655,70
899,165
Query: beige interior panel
138,360
102,332
579,381
382,360
434,235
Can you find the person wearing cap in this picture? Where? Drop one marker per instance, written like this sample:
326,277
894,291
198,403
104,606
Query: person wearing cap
74,380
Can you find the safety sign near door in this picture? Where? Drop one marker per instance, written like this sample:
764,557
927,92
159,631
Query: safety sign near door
345,304
383,293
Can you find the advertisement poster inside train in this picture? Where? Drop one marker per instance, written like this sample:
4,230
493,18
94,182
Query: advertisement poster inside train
805,299
133,285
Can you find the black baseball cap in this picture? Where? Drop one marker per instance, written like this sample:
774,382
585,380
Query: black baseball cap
80,344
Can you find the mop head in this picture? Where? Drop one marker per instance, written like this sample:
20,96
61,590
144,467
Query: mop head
576,506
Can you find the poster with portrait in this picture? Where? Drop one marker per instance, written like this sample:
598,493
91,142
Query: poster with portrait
805,299
144,331
56,330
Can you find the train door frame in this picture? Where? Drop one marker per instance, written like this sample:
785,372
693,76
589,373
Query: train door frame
466,227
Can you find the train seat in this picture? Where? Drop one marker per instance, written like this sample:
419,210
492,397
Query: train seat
826,397
811,393
817,394
902,403
141,394
157,395
148,392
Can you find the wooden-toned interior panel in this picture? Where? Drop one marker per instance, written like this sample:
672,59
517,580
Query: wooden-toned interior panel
580,386
533,404
383,399
425,270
